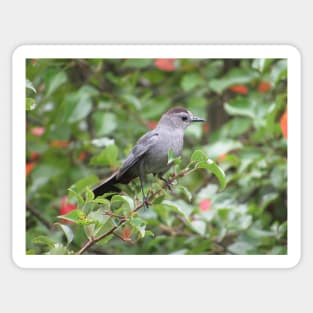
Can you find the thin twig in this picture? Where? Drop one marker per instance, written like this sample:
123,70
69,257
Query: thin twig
39,217
129,241
96,239
152,196
109,213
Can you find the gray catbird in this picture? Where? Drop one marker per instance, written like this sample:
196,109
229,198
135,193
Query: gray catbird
150,154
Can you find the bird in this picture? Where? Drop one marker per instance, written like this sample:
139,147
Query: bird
150,153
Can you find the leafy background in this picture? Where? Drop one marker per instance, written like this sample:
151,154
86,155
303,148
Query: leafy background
83,116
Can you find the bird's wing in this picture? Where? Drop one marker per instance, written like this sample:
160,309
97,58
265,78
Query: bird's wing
142,146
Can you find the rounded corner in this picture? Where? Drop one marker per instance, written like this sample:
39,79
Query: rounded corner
17,261
294,261
294,51
19,51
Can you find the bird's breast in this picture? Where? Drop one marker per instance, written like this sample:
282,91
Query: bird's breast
156,160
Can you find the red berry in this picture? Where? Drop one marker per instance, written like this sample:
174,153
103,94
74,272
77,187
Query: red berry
152,124
65,208
126,233
29,167
264,86
38,131
59,143
205,128
205,205
222,157
34,156
284,124
82,156
241,89
167,65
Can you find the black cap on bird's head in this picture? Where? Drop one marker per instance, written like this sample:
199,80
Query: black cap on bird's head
180,117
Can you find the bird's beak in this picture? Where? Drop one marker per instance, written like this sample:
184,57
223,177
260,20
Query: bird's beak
197,119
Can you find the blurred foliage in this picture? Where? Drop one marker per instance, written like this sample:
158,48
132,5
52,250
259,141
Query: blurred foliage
83,116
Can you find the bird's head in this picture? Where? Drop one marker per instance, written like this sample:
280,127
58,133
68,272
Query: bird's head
179,117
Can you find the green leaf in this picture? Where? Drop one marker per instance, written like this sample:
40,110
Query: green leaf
90,231
199,227
154,76
198,156
99,200
195,132
73,195
155,107
80,109
196,103
89,195
240,247
213,168
235,127
88,91
102,142
108,157
208,192
262,64
77,105
278,176
99,219
43,240
185,191
137,63
29,85
268,199
54,80
67,232
224,146
107,195
240,106
243,222
139,225
47,171
279,250
149,233
176,208
125,199
256,233
81,185
214,68
279,71
76,216
190,81
59,249
179,252
132,101
104,122
234,77
30,104
105,240
172,158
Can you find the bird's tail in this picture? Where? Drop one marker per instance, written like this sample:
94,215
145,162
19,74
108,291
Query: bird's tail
108,185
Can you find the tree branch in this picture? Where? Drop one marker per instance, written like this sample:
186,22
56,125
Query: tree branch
151,197
39,217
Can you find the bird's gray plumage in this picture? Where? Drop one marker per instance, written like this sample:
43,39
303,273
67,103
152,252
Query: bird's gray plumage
150,154
142,147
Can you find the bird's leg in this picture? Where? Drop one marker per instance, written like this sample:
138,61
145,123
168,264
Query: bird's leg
141,178
167,183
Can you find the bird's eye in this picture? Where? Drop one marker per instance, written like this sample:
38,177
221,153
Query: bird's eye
184,118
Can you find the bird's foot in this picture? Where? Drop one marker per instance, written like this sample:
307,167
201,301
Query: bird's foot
145,202
167,184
